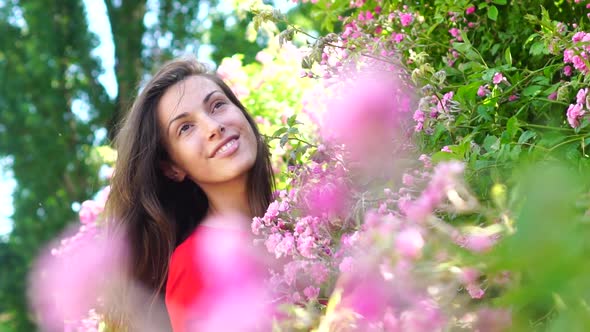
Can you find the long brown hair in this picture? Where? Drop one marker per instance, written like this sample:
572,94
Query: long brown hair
157,213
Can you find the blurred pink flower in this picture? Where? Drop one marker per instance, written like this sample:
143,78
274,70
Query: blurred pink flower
478,242
264,57
470,10
311,293
483,91
409,243
406,19
66,287
347,264
89,211
366,116
446,149
328,196
425,316
567,71
493,320
455,33
498,78
475,291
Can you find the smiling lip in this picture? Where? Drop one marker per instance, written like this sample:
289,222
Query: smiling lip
225,141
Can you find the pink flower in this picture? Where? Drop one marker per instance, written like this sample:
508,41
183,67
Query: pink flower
406,19
256,225
581,96
409,243
398,37
475,291
568,55
311,293
493,320
407,179
552,96
319,272
470,10
425,316
66,287
446,149
580,64
419,116
469,275
366,117
89,211
305,246
498,78
483,91
272,241
478,242
272,211
264,57
578,36
327,196
513,97
425,160
574,113
347,265
286,246
455,33
567,71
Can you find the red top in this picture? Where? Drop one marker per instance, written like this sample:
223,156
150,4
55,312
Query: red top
208,265
185,281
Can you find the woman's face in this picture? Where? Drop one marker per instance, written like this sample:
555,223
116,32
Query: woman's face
206,136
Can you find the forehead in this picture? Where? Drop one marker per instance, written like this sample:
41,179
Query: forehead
184,96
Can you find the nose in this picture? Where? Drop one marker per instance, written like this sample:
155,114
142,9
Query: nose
214,128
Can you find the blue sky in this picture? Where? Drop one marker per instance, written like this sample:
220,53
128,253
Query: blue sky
99,24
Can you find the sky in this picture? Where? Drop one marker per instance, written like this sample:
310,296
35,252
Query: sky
99,24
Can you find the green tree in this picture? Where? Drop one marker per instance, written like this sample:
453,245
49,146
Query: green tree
46,68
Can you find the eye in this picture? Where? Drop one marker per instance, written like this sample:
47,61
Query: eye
183,128
217,105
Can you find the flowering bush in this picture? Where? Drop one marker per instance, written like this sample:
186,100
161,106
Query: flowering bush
417,160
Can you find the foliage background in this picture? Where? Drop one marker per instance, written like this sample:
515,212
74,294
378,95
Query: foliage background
47,65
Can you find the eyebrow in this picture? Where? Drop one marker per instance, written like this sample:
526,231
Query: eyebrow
185,114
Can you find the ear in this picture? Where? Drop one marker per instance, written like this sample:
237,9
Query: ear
172,171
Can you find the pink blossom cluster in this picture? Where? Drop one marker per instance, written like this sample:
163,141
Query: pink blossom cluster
432,109
66,281
577,55
298,226
575,112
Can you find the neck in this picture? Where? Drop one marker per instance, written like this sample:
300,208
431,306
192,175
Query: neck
228,199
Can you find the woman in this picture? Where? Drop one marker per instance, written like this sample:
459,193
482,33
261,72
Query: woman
186,150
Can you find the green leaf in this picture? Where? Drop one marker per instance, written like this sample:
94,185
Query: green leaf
508,56
461,47
512,127
292,120
491,143
444,156
538,48
500,2
279,132
527,135
531,90
483,111
493,13
284,140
